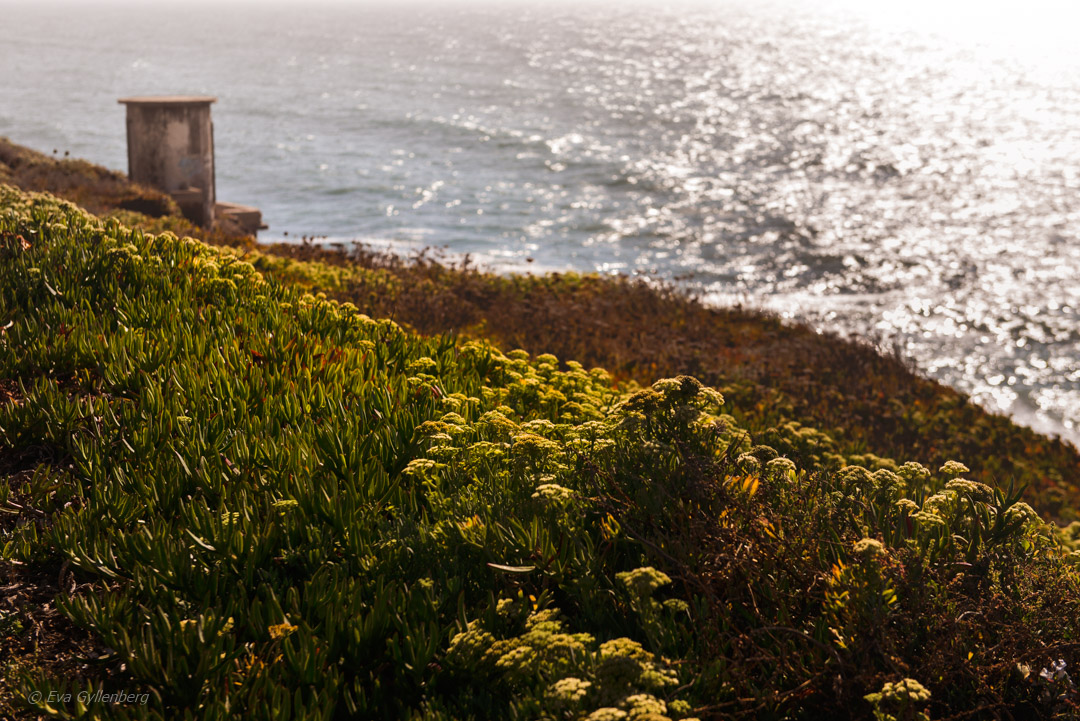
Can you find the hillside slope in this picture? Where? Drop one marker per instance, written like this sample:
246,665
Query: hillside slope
256,503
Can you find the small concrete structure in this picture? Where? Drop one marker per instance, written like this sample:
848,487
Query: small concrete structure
171,148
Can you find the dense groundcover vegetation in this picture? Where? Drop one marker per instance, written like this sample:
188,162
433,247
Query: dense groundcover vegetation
776,373
261,504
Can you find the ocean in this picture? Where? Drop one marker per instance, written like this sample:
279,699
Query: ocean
911,177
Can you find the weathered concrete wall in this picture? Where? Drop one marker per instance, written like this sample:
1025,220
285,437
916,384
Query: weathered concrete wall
171,147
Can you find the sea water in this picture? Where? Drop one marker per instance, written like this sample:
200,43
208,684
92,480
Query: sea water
911,176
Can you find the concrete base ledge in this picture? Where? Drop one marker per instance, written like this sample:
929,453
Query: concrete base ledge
249,218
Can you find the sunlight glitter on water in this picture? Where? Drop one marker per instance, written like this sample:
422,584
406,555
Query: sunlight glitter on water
904,171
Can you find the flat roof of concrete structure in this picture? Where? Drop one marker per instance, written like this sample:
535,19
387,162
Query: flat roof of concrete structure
168,100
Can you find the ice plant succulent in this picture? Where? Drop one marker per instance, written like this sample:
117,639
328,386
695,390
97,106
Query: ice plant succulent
303,511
